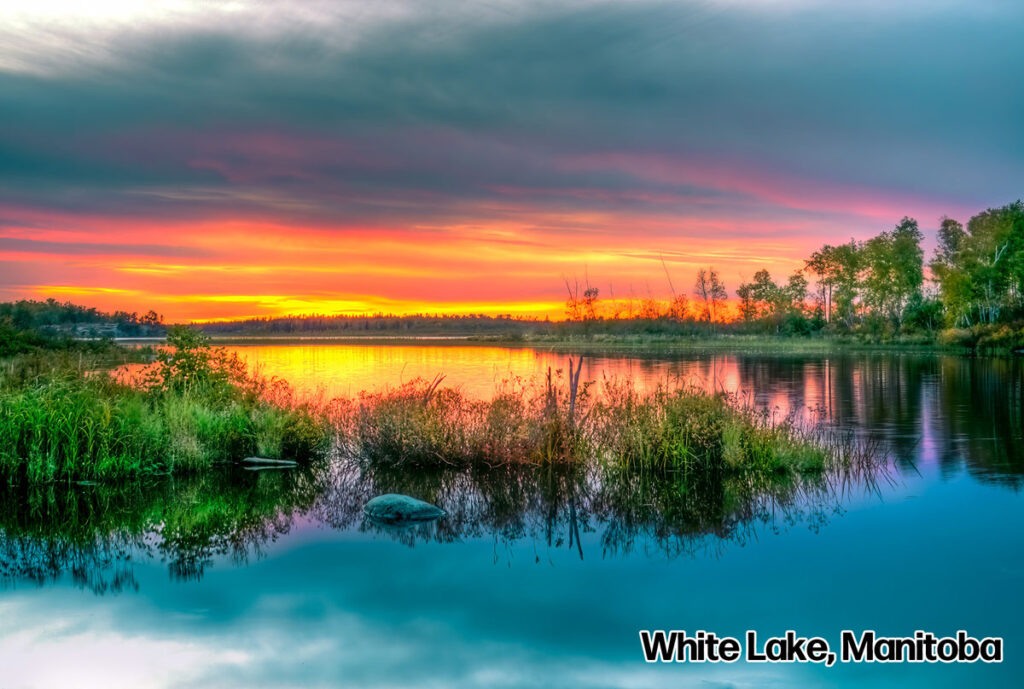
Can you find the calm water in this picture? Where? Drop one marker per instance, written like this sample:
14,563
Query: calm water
272,579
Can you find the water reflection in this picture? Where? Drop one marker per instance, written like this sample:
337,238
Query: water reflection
540,577
964,412
95,534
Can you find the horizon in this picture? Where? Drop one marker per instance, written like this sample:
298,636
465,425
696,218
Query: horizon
248,160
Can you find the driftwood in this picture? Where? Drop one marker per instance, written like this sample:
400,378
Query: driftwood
277,463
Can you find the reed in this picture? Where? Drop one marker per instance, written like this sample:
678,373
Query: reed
421,424
689,434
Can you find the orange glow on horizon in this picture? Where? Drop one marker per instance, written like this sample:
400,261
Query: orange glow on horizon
511,254
207,270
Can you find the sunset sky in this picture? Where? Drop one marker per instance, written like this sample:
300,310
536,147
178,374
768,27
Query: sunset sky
216,160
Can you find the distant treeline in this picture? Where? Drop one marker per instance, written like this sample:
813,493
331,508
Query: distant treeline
27,325
380,324
64,317
970,293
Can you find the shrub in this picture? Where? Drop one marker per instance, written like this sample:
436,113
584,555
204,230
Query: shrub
957,337
60,420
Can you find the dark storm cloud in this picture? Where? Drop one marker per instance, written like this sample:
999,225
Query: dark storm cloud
413,117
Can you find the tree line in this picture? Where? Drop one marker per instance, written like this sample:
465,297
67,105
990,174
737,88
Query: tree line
55,317
970,291
383,324
973,285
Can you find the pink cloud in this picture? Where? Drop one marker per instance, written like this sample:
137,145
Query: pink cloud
771,185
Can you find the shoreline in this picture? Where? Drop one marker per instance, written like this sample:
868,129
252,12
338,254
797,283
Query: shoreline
727,343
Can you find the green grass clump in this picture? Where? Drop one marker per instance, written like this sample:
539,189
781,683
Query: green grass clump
664,431
695,433
691,434
195,408
421,424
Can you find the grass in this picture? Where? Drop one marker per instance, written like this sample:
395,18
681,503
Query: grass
548,457
195,407
694,438
609,343
694,433
62,420
424,425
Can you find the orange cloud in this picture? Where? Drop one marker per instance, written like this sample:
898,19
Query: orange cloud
506,254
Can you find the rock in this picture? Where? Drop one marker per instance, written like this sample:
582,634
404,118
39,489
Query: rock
393,509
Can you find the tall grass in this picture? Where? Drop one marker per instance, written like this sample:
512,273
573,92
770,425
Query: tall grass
689,431
422,424
694,436
197,406
61,420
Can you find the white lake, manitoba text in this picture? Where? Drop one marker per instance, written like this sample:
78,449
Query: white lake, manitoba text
677,646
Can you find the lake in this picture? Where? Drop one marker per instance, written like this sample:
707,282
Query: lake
538,579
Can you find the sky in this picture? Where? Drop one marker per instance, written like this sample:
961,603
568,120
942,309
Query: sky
220,160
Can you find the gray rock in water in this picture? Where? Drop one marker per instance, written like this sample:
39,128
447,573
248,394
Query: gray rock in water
394,509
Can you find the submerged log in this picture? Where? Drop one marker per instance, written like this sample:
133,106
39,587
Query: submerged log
264,460
393,509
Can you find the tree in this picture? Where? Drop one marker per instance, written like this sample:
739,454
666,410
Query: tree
650,309
772,304
821,264
796,291
590,296
711,291
679,307
849,260
894,269
980,268
838,269
760,298
951,242
581,307
996,260
948,271
748,307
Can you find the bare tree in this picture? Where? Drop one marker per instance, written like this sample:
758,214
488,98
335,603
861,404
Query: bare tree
590,296
574,304
711,291
702,289
679,307
718,292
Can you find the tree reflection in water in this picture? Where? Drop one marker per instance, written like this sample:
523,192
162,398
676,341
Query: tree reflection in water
970,411
95,534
